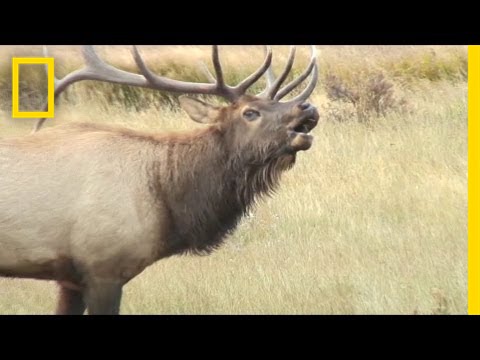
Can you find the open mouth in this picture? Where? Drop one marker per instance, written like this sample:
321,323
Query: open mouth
299,132
305,126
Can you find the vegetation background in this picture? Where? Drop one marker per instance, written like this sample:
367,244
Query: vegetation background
371,220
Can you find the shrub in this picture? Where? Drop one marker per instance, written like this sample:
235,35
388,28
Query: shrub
367,95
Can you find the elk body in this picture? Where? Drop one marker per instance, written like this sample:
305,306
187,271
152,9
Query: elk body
91,206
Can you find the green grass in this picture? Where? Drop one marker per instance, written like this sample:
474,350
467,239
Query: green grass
372,220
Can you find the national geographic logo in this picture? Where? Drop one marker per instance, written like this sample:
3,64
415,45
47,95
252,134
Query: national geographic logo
49,64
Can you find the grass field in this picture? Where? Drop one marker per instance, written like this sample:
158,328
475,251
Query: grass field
372,220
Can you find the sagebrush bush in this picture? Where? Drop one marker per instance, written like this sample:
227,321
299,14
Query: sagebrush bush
368,95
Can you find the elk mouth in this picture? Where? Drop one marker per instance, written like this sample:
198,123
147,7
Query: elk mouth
299,132
306,122
305,126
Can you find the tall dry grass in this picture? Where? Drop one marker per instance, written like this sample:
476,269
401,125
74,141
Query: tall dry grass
373,219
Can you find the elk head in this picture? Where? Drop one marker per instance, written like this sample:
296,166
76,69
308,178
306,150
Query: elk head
262,124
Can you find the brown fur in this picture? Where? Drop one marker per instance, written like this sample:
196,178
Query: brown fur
92,205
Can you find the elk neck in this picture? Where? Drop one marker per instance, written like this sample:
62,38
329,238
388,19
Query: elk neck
205,186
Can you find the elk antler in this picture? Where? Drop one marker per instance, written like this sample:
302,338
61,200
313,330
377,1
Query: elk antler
271,91
96,69
273,84
218,88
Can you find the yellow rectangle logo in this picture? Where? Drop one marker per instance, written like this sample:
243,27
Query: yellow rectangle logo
16,113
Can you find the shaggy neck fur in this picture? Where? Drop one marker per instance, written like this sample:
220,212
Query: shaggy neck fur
209,186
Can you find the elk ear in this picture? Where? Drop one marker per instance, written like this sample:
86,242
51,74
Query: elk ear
199,111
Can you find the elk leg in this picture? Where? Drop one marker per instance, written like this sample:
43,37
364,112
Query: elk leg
103,297
70,302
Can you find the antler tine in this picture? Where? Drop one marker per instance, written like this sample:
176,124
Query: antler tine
250,80
293,84
303,96
269,73
97,69
218,67
269,77
279,81
241,88
162,83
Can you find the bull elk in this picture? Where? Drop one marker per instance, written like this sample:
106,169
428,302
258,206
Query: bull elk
91,206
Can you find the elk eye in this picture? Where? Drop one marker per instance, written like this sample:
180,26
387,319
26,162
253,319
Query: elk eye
251,115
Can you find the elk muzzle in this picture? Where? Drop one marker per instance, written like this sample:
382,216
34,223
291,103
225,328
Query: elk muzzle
299,129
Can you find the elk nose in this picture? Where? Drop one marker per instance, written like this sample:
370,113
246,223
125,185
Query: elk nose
304,106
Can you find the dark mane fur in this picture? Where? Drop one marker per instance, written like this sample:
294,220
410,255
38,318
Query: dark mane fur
207,187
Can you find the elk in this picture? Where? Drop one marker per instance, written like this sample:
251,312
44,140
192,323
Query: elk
91,206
